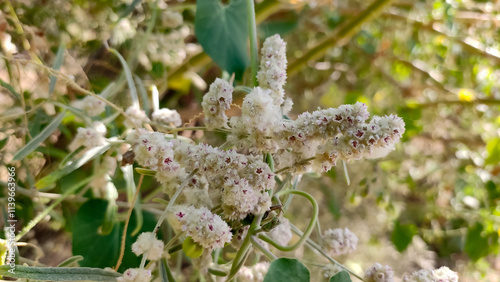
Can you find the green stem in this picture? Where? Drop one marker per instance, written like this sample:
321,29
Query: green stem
241,254
252,31
309,229
341,37
261,248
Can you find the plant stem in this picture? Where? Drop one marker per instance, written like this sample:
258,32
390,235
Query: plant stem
341,37
309,229
241,255
252,32
129,214
261,248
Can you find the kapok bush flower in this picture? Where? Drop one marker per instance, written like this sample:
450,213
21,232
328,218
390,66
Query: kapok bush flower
204,227
443,274
340,241
147,243
135,275
216,102
379,273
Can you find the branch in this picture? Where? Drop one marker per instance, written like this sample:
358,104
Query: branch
341,37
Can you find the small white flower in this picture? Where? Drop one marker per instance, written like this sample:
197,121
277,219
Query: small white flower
216,102
148,243
443,274
171,19
204,227
255,273
137,115
167,116
379,273
272,73
90,137
91,105
340,241
135,275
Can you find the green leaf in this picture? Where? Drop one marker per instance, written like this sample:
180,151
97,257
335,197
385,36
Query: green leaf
11,89
101,250
222,31
59,273
35,142
97,249
402,235
287,270
493,149
70,167
128,76
57,65
3,142
477,245
342,276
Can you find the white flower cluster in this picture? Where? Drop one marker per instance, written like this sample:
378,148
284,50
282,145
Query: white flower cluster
340,241
379,273
171,19
204,227
135,275
216,102
322,137
255,273
238,182
443,274
256,127
272,73
90,137
167,117
148,243
137,115
91,105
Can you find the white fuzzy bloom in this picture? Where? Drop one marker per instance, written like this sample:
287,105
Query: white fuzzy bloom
167,116
135,275
260,120
90,137
123,30
171,19
254,273
91,105
216,102
282,234
443,274
379,273
340,241
148,243
204,227
372,140
272,73
137,115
